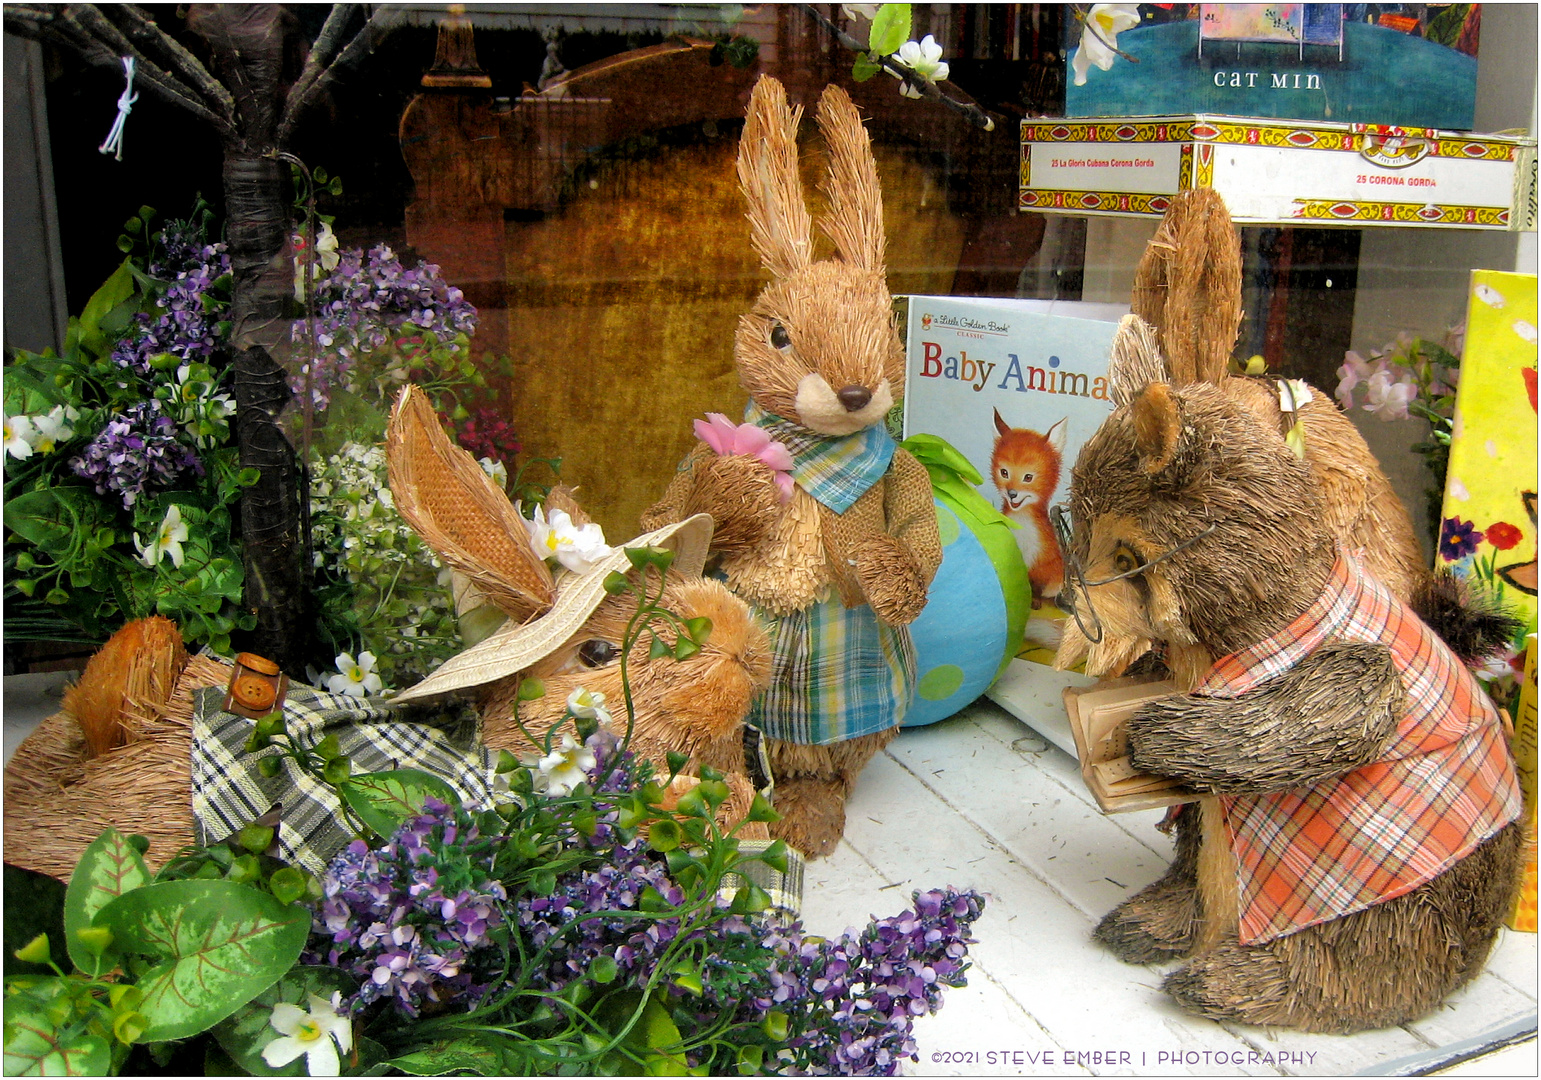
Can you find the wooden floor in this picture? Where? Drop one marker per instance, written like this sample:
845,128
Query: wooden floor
983,801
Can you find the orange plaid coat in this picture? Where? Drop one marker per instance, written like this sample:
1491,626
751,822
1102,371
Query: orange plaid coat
1446,783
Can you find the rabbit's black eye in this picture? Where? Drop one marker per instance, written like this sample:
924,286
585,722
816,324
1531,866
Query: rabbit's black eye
779,338
597,653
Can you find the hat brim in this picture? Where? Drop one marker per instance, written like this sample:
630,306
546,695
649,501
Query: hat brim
513,648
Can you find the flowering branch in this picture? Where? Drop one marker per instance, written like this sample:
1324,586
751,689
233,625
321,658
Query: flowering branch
917,83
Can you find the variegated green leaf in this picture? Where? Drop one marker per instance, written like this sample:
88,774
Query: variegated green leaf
386,800
214,945
107,869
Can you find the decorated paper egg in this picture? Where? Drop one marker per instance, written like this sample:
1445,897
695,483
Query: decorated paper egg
979,600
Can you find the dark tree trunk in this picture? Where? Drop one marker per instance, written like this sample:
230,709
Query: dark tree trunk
248,49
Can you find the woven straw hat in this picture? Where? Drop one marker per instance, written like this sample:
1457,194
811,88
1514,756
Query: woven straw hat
462,514
515,647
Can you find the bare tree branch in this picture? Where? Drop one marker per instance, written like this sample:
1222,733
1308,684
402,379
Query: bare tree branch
321,54
89,32
363,43
137,24
921,85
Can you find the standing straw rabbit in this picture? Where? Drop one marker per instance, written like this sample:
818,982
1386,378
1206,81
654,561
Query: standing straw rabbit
839,558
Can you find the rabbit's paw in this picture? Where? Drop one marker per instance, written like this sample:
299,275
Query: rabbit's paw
1156,924
740,493
812,813
892,580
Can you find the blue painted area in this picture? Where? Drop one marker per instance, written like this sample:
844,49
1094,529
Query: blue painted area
963,624
1385,77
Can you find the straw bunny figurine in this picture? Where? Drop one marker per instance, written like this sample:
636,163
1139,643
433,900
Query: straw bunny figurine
836,542
563,628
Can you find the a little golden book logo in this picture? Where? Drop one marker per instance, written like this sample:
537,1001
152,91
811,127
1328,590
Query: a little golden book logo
965,323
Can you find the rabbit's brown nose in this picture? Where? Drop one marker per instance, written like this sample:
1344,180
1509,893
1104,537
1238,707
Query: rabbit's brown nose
854,398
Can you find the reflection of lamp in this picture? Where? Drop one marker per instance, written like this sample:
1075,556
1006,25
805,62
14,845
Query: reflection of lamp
454,60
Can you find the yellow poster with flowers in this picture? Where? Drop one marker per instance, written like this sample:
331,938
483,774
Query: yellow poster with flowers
1488,522
1488,527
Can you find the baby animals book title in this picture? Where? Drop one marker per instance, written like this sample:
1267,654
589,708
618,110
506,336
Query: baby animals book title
944,354
1017,386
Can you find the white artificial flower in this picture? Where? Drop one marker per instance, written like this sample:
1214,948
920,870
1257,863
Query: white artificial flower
357,678
1293,393
864,11
310,1033
1386,397
588,704
327,257
495,469
566,767
578,549
924,58
168,540
19,434
53,428
1099,37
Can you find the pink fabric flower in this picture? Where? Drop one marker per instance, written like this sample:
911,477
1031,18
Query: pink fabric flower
1388,398
1355,370
726,438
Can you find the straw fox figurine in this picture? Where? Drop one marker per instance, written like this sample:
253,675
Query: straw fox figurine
839,559
1357,852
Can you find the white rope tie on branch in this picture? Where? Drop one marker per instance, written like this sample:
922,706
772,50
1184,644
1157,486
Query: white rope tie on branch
114,143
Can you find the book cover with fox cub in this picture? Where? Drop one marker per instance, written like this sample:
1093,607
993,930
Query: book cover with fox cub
1017,386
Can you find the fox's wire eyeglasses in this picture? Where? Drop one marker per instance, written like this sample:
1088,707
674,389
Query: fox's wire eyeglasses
1075,576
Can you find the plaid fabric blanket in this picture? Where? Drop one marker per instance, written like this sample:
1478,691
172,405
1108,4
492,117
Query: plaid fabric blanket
228,791
834,470
1447,781
836,673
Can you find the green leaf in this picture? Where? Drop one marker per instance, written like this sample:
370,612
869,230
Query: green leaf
214,945
385,800
761,810
35,951
108,869
451,1056
244,1033
864,68
890,29
116,289
36,1046
39,517
664,835
603,969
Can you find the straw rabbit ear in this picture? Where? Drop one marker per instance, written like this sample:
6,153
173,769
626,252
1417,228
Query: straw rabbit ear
460,512
855,217
1188,286
1134,360
767,173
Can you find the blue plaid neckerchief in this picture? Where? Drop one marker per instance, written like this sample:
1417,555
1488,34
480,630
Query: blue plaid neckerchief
835,470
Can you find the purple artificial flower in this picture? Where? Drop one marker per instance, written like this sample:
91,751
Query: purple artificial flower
386,918
368,300
185,328
1458,539
137,451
